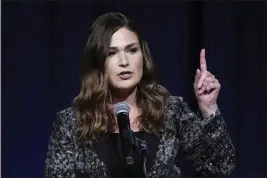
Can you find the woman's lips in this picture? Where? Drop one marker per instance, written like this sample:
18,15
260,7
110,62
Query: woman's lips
125,76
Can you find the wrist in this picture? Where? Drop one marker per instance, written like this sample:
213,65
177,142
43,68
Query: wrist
207,111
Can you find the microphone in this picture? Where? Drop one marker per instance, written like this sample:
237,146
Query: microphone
121,111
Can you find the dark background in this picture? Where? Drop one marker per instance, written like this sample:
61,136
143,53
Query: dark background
42,43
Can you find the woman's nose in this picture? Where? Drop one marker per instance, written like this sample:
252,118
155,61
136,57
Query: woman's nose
123,60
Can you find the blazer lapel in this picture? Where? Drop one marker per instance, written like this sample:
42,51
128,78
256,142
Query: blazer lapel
166,151
101,149
152,147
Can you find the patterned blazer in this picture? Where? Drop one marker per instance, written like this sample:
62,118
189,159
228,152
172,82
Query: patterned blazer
205,141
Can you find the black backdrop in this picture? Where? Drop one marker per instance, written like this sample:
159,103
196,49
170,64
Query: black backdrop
43,41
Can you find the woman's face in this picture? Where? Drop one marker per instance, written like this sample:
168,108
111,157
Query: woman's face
124,63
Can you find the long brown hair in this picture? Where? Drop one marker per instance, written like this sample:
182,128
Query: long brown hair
91,104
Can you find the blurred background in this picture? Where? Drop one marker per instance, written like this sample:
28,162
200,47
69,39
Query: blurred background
42,43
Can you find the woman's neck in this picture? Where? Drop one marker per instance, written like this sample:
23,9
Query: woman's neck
128,96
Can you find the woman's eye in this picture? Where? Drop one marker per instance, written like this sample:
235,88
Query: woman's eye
133,50
110,53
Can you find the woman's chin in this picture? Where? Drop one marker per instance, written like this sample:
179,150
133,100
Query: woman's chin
124,88
126,85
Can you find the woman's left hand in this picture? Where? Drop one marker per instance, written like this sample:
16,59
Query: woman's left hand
206,88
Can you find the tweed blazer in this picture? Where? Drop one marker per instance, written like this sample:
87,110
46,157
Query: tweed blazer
206,141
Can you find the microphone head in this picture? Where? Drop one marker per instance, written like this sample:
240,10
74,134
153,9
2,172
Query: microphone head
121,107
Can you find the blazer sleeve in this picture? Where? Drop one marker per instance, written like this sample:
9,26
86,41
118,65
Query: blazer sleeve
206,141
60,160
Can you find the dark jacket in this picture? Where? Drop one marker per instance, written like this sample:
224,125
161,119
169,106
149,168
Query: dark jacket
205,141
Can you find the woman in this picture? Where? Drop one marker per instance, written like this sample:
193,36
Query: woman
116,67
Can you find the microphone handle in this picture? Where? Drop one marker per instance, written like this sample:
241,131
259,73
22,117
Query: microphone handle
126,137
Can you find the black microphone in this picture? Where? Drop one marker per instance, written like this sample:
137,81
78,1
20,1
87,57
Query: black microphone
121,111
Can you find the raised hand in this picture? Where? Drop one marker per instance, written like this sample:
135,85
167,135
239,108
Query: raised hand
206,87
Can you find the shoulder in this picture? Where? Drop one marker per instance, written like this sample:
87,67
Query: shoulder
174,103
66,120
173,108
67,114
176,99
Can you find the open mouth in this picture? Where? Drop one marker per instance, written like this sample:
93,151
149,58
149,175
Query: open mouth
125,75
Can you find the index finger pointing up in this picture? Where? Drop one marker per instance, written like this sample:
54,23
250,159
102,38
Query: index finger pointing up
203,64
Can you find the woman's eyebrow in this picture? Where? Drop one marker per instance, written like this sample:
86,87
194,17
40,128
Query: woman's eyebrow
127,46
